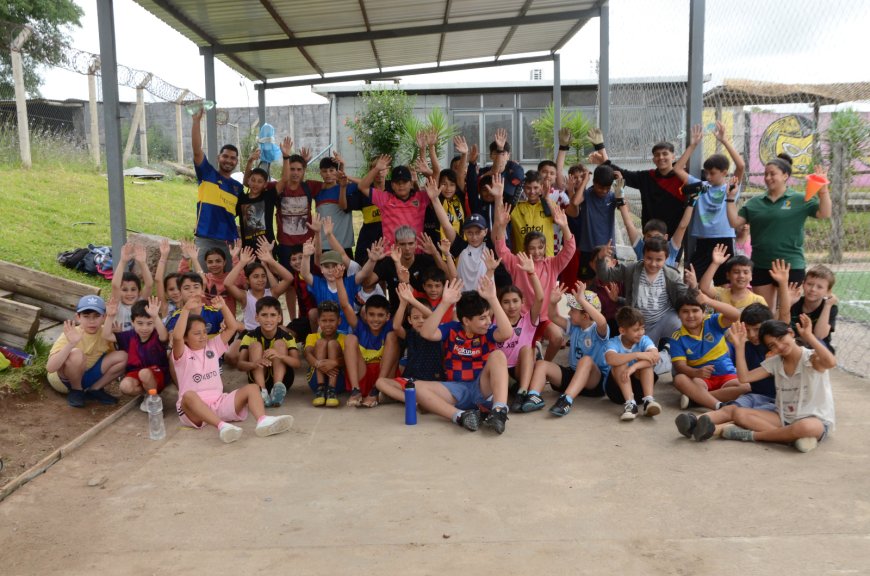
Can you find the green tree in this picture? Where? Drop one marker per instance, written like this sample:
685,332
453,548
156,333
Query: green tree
50,20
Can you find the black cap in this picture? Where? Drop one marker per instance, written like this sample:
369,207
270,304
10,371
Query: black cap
475,220
400,174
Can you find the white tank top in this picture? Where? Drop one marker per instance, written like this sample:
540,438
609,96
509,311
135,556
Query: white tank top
251,309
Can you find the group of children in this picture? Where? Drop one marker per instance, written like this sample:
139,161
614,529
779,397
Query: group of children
454,284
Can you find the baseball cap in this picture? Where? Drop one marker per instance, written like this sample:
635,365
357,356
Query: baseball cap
590,297
91,303
475,220
400,174
331,257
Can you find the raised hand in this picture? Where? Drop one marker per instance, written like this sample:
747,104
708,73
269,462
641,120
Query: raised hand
194,303
779,271
497,186
525,263
490,260
557,293
612,291
127,251
422,167
607,251
246,256
421,139
737,333
235,249
286,146
559,216
501,138
305,152
339,271
720,131
189,250
452,291
597,157
316,223
425,243
308,247
383,162
460,145
689,277
503,217
342,178
112,307
805,327
327,225
217,301
486,288
794,291
432,189
579,290
596,136
72,334
405,292
153,308
444,246
396,254
697,134
720,254
376,251
565,136
164,249
473,154
264,249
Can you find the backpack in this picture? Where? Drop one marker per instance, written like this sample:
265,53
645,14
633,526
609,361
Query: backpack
93,260
72,258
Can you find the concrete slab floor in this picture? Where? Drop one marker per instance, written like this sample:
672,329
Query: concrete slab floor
357,491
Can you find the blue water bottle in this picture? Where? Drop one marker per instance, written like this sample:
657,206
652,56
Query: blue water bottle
410,403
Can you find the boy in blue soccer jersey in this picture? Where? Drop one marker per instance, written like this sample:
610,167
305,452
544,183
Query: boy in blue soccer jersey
703,370
191,286
476,371
631,356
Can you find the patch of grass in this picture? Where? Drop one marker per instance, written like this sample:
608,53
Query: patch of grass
853,291
29,378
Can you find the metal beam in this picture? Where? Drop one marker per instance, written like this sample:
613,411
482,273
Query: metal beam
365,15
195,28
695,88
283,25
507,39
404,32
604,71
394,73
443,38
210,115
112,125
557,103
261,106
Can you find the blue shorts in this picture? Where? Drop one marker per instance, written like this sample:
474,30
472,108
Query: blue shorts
467,394
754,401
90,377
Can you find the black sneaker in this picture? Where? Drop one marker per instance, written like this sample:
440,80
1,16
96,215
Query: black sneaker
496,420
651,408
519,400
101,396
76,398
704,429
533,402
686,424
561,407
629,411
470,420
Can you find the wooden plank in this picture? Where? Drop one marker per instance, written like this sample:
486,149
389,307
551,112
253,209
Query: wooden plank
49,310
19,319
5,293
46,323
42,286
13,340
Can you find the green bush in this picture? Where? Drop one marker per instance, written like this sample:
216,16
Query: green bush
544,133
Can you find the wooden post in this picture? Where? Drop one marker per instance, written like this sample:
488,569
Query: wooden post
21,96
179,133
838,201
134,126
94,140
143,133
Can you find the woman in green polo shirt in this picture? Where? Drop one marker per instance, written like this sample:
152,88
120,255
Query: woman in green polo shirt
777,219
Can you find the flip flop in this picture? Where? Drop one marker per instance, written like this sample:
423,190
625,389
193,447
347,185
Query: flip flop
369,402
355,399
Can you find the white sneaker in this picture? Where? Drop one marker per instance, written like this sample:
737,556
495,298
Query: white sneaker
143,405
629,411
806,444
270,425
651,408
664,365
230,433
267,400
684,402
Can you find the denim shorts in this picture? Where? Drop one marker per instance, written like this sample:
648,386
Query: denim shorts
754,401
467,394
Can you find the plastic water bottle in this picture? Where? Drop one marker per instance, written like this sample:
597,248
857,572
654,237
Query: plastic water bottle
156,429
410,403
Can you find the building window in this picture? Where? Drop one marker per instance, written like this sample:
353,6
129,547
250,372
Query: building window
465,101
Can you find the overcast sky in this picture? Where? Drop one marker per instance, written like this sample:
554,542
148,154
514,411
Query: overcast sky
795,41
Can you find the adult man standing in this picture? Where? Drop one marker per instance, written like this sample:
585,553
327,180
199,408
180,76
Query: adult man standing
217,196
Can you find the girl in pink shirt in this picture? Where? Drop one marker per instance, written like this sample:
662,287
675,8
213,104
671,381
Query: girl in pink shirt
201,397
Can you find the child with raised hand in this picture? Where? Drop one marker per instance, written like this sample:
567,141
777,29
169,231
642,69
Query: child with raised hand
267,351
260,270
476,371
519,349
324,352
145,344
215,272
819,304
632,356
804,412
166,284
587,369
129,287
532,214
190,284
738,273
201,396
424,357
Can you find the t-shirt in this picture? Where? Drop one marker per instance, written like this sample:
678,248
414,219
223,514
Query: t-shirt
212,316
527,217
124,317
424,357
523,336
396,213
257,216
596,221
805,393
294,213
371,346
362,295
470,267
590,343
216,203
326,202
386,272
94,346
755,355
256,335
797,310
304,298
723,294
615,345
710,218
779,227
199,371
151,352
673,252
652,297
464,356
708,348
322,293
311,341
660,196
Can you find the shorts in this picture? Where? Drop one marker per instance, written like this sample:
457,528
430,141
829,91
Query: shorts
369,377
539,331
568,374
754,401
716,382
611,388
223,405
467,394
159,376
761,276
826,425
89,378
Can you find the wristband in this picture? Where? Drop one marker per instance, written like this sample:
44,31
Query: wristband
607,163
565,148
731,200
286,157
598,147
620,202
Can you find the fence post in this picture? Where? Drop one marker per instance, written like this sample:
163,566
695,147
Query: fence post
838,201
179,133
92,107
21,96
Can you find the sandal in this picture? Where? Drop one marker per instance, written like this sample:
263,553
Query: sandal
355,398
370,401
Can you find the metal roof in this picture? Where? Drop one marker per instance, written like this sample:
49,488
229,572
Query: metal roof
326,40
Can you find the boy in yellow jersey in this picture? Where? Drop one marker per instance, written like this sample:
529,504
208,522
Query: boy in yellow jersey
532,215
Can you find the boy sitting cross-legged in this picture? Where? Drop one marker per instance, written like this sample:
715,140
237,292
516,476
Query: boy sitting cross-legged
475,369
631,356
324,351
267,351
587,369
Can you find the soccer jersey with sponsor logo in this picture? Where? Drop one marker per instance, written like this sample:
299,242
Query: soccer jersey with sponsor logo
216,203
396,213
212,316
590,343
523,335
706,349
266,342
151,352
464,356
199,370
527,217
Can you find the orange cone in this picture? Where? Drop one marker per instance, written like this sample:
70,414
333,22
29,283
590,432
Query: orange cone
815,182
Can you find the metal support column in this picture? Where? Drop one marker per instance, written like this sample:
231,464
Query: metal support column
695,88
112,123
211,148
604,71
557,103
261,103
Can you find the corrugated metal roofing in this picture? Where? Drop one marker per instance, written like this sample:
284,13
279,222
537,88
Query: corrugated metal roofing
308,37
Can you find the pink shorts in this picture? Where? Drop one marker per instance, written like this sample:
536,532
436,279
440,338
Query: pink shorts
224,405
